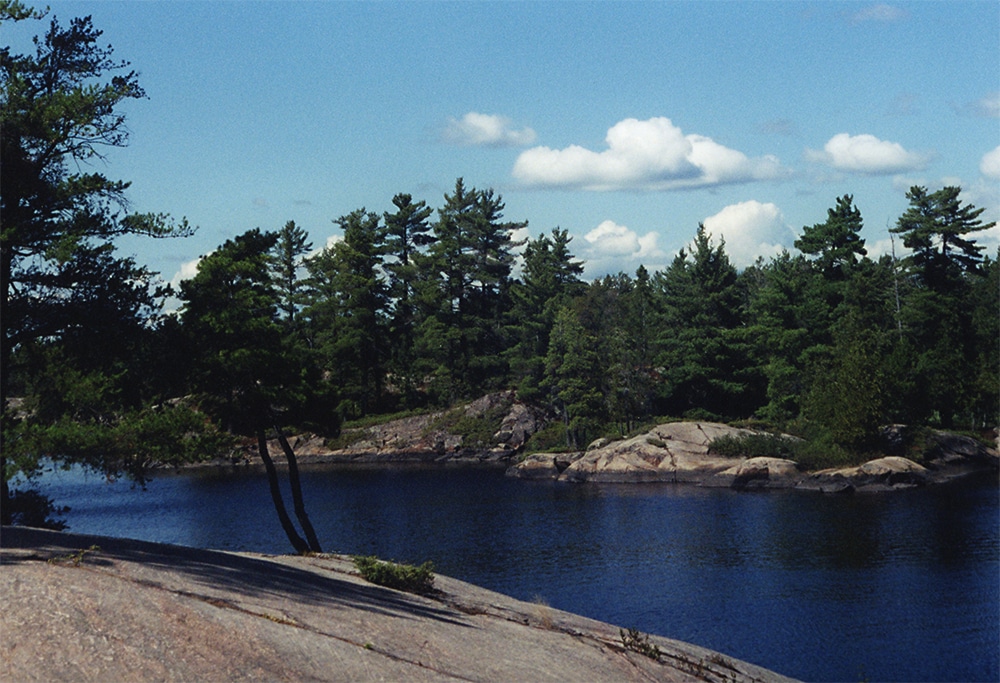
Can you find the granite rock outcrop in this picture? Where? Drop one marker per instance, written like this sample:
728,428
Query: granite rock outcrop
680,452
106,609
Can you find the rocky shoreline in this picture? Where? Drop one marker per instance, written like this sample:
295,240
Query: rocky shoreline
679,453
106,609
674,452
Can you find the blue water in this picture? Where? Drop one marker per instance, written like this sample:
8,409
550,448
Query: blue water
901,587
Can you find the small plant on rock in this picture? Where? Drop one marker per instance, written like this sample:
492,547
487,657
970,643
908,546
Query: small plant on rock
404,577
76,559
635,641
543,613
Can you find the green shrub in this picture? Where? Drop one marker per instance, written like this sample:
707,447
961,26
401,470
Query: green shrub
343,440
702,415
823,453
476,430
755,446
404,577
817,452
549,439
382,418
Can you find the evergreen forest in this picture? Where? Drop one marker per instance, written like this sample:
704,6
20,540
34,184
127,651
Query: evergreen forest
420,306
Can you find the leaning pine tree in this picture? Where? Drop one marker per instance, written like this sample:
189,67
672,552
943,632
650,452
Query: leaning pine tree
230,315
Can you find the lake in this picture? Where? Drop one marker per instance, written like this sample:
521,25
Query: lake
900,586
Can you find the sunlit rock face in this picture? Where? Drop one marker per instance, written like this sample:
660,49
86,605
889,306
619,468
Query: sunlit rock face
679,452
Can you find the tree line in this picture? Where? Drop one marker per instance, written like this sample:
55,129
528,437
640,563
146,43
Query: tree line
407,312
418,307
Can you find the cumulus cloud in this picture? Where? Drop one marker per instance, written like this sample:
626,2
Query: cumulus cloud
330,241
989,166
613,248
866,154
886,246
751,229
486,130
642,155
985,193
187,271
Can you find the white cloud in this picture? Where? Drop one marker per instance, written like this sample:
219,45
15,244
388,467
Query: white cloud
886,246
881,13
751,229
486,130
989,166
866,154
613,248
330,241
187,271
612,239
985,194
642,155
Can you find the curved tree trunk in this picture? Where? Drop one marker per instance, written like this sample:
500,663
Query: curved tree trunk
300,546
297,503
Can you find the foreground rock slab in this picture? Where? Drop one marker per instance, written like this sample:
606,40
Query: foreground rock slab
101,609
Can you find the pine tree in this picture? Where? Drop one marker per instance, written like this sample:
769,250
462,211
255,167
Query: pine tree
293,244
242,368
444,328
347,308
704,354
572,376
936,316
472,260
787,327
408,234
936,228
631,349
492,260
550,279
837,243
61,110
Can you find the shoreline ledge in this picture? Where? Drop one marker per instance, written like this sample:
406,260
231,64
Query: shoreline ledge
678,452
671,452
100,608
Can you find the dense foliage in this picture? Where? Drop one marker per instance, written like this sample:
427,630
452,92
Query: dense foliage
828,343
417,307
78,320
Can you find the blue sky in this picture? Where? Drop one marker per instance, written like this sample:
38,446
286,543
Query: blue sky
625,123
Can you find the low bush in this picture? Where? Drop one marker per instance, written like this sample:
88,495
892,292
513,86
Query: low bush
404,577
755,446
382,418
549,439
823,454
817,452
476,430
